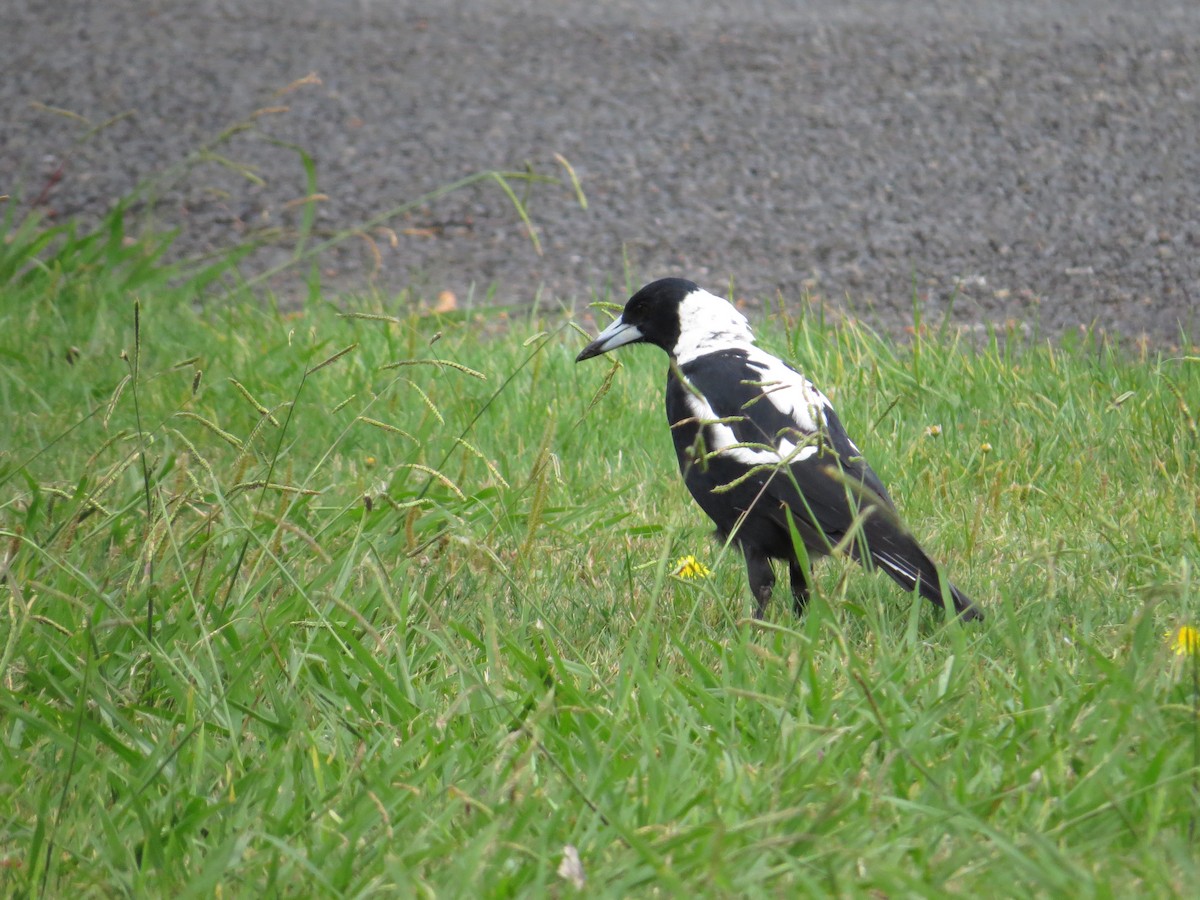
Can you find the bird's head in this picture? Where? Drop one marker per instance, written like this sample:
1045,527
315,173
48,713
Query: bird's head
677,315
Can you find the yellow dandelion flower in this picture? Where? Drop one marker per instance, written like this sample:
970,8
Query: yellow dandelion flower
1185,640
985,447
690,567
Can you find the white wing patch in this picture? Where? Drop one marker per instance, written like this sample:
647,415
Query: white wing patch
790,392
721,438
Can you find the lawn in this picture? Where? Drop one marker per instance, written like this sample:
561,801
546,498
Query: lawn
360,600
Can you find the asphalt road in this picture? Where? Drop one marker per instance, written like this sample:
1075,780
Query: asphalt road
1036,161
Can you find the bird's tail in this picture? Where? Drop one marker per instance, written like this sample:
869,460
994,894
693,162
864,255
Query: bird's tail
899,555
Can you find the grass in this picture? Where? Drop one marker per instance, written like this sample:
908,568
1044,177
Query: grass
382,604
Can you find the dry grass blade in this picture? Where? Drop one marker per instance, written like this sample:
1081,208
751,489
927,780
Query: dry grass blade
90,503
580,330
440,363
196,454
373,249
520,208
371,317
487,462
332,359
99,451
579,195
602,390
438,476
300,201
429,403
233,165
539,478
116,397
367,420
272,486
59,111
211,426
114,473
262,410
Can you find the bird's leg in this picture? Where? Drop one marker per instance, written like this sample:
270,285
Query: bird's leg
800,587
762,579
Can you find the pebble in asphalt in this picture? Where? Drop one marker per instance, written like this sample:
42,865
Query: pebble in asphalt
1029,161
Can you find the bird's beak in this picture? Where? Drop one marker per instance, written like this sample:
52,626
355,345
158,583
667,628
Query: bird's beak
617,334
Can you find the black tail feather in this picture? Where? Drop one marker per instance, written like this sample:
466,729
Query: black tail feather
882,538
903,560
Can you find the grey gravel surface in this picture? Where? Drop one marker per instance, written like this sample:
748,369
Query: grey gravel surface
1037,161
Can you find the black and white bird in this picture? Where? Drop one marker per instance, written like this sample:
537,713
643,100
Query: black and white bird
759,444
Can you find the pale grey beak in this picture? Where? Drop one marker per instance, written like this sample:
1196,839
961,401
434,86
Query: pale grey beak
617,334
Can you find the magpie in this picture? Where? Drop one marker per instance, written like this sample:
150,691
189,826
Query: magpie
762,451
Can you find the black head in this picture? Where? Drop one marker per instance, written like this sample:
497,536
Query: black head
651,316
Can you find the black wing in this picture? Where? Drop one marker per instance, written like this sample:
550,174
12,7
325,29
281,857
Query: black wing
767,403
